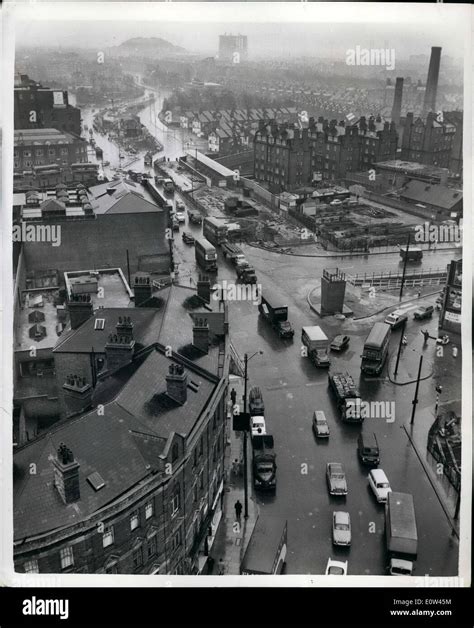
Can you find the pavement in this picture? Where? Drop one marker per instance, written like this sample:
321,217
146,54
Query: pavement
233,536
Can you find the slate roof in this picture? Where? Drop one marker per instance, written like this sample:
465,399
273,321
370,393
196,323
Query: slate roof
127,198
436,195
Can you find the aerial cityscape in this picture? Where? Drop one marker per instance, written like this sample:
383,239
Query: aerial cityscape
237,266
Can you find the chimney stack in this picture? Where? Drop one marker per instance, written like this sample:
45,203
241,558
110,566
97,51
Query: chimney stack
397,101
201,334
125,327
118,351
429,103
66,475
204,288
142,289
77,394
80,309
177,383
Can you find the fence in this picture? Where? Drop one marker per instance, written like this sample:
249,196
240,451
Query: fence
261,193
393,279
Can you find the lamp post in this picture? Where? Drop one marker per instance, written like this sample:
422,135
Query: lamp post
246,495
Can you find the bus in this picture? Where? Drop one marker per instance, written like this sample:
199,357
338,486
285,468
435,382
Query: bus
267,548
214,230
376,349
206,255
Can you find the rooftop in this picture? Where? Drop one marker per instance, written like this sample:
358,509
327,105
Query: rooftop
43,136
437,195
37,321
210,163
108,287
121,197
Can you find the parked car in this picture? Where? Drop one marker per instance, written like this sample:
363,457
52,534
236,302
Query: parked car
335,203
336,568
395,319
180,206
187,238
379,484
339,343
175,223
336,478
258,425
341,528
180,215
320,424
368,450
424,311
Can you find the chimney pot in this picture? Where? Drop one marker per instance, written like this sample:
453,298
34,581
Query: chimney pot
177,383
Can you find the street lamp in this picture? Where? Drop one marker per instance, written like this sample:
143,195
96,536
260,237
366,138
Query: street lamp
246,495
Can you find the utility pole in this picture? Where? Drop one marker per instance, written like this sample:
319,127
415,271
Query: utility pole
246,493
402,336
404,267
415,399
439,390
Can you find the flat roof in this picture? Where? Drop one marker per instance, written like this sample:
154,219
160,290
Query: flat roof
111,284
37,303
261,551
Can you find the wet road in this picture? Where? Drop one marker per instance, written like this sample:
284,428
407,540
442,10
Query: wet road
293,389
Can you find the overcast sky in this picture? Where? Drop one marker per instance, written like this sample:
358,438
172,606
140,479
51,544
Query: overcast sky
275,39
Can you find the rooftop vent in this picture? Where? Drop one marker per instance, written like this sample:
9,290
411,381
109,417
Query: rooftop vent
36,317
37,332
96,481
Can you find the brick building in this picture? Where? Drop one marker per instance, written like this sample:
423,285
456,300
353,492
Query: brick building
38,107
429,142
133,482
282,156
40,147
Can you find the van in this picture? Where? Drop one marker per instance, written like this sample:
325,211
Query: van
368,450
257,425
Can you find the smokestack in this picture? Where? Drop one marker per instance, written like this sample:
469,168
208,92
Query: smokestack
66,475
80,309
177,383
429,103
397,101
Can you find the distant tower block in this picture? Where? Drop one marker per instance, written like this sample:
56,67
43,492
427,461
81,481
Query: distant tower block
397,100
333,290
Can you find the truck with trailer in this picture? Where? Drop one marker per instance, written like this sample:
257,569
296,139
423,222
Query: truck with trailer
317,345
263,462
233,253
347,397
271,309
401,534
266,551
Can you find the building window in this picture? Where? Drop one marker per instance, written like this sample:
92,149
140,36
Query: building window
137,557
39,152
148,510
26,153
134,521
67,557
151,546
176,540
28,163
108,537
31,566
51,152
175,502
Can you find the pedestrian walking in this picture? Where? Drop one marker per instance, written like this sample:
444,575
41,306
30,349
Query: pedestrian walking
238,510
221,567
233,396
419,293
235,467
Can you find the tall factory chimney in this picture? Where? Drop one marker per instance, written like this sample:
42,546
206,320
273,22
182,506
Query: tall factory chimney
429,103
397,101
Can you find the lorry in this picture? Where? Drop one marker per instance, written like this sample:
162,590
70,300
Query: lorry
347,397
411,254
271,310
247,274
401,534
266,551
232,252
263,462
317,344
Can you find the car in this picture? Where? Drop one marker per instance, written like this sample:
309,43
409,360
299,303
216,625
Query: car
336,568
341,528
335,203
258,425
180,215
336,478
339,343
180,206
175,224
379,484
424,311
320,424
368,451
187,238
395,319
